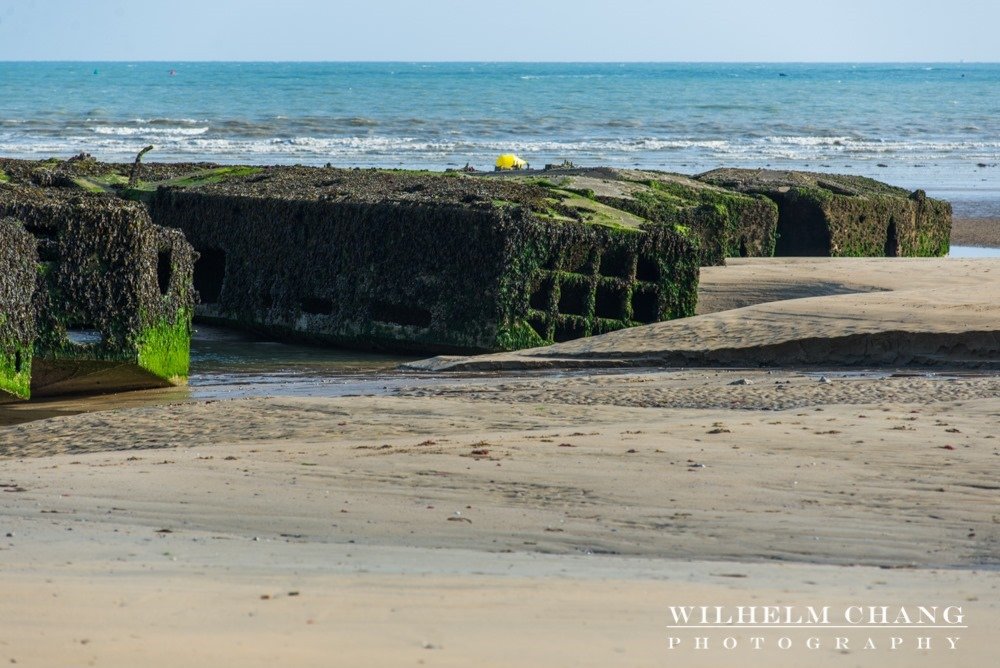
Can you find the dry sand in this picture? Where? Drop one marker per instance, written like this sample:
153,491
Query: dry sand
529,521
836,311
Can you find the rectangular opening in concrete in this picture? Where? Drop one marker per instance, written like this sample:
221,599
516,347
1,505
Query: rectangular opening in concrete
47,237
43,232
610,303
891,240
573,298
616,263
576,260
645,306
210,274
647,269
541,296
163,271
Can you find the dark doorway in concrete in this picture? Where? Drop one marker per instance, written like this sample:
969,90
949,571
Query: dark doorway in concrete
163,271
892,240
802,230
209,274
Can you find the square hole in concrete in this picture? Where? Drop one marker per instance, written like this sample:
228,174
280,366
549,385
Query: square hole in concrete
610,303
647,269
541,296
616,263
573,298
645,306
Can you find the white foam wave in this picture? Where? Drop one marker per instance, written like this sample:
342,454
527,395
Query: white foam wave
389,150
128,131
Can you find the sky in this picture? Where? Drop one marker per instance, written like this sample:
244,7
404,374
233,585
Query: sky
506,30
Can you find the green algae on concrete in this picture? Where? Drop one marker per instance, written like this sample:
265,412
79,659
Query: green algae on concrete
845,216
113,301
164,348
18,260
425,262
725,223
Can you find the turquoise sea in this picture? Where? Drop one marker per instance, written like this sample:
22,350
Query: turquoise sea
935,126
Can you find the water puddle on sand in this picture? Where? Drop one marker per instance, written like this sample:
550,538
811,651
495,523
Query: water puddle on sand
973,251
227,364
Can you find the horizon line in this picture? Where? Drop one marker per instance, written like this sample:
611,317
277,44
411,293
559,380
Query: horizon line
520,62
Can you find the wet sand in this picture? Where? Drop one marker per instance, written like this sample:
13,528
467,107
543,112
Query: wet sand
531,521
477,529
976,232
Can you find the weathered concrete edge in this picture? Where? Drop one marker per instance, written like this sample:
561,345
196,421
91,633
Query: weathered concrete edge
948,350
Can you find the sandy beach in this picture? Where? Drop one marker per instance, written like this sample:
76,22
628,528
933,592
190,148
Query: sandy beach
540,519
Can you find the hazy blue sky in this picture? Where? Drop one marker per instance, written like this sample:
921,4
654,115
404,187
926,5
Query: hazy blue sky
605,30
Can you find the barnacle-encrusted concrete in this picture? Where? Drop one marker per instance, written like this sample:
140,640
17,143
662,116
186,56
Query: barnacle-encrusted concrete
17,322
425,262
845,216
457,262
113,296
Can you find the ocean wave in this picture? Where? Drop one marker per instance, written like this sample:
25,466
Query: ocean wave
172,121
385,150
130,131
531,77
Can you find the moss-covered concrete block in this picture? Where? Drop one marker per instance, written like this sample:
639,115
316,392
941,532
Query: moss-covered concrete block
113,297
425,262
18,261
845,216
724,223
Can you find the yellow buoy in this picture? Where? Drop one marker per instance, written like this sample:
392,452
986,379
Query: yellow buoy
510,161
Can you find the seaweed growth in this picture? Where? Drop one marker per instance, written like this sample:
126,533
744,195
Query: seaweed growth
18,260
725,223
422,262
845,216
112,301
